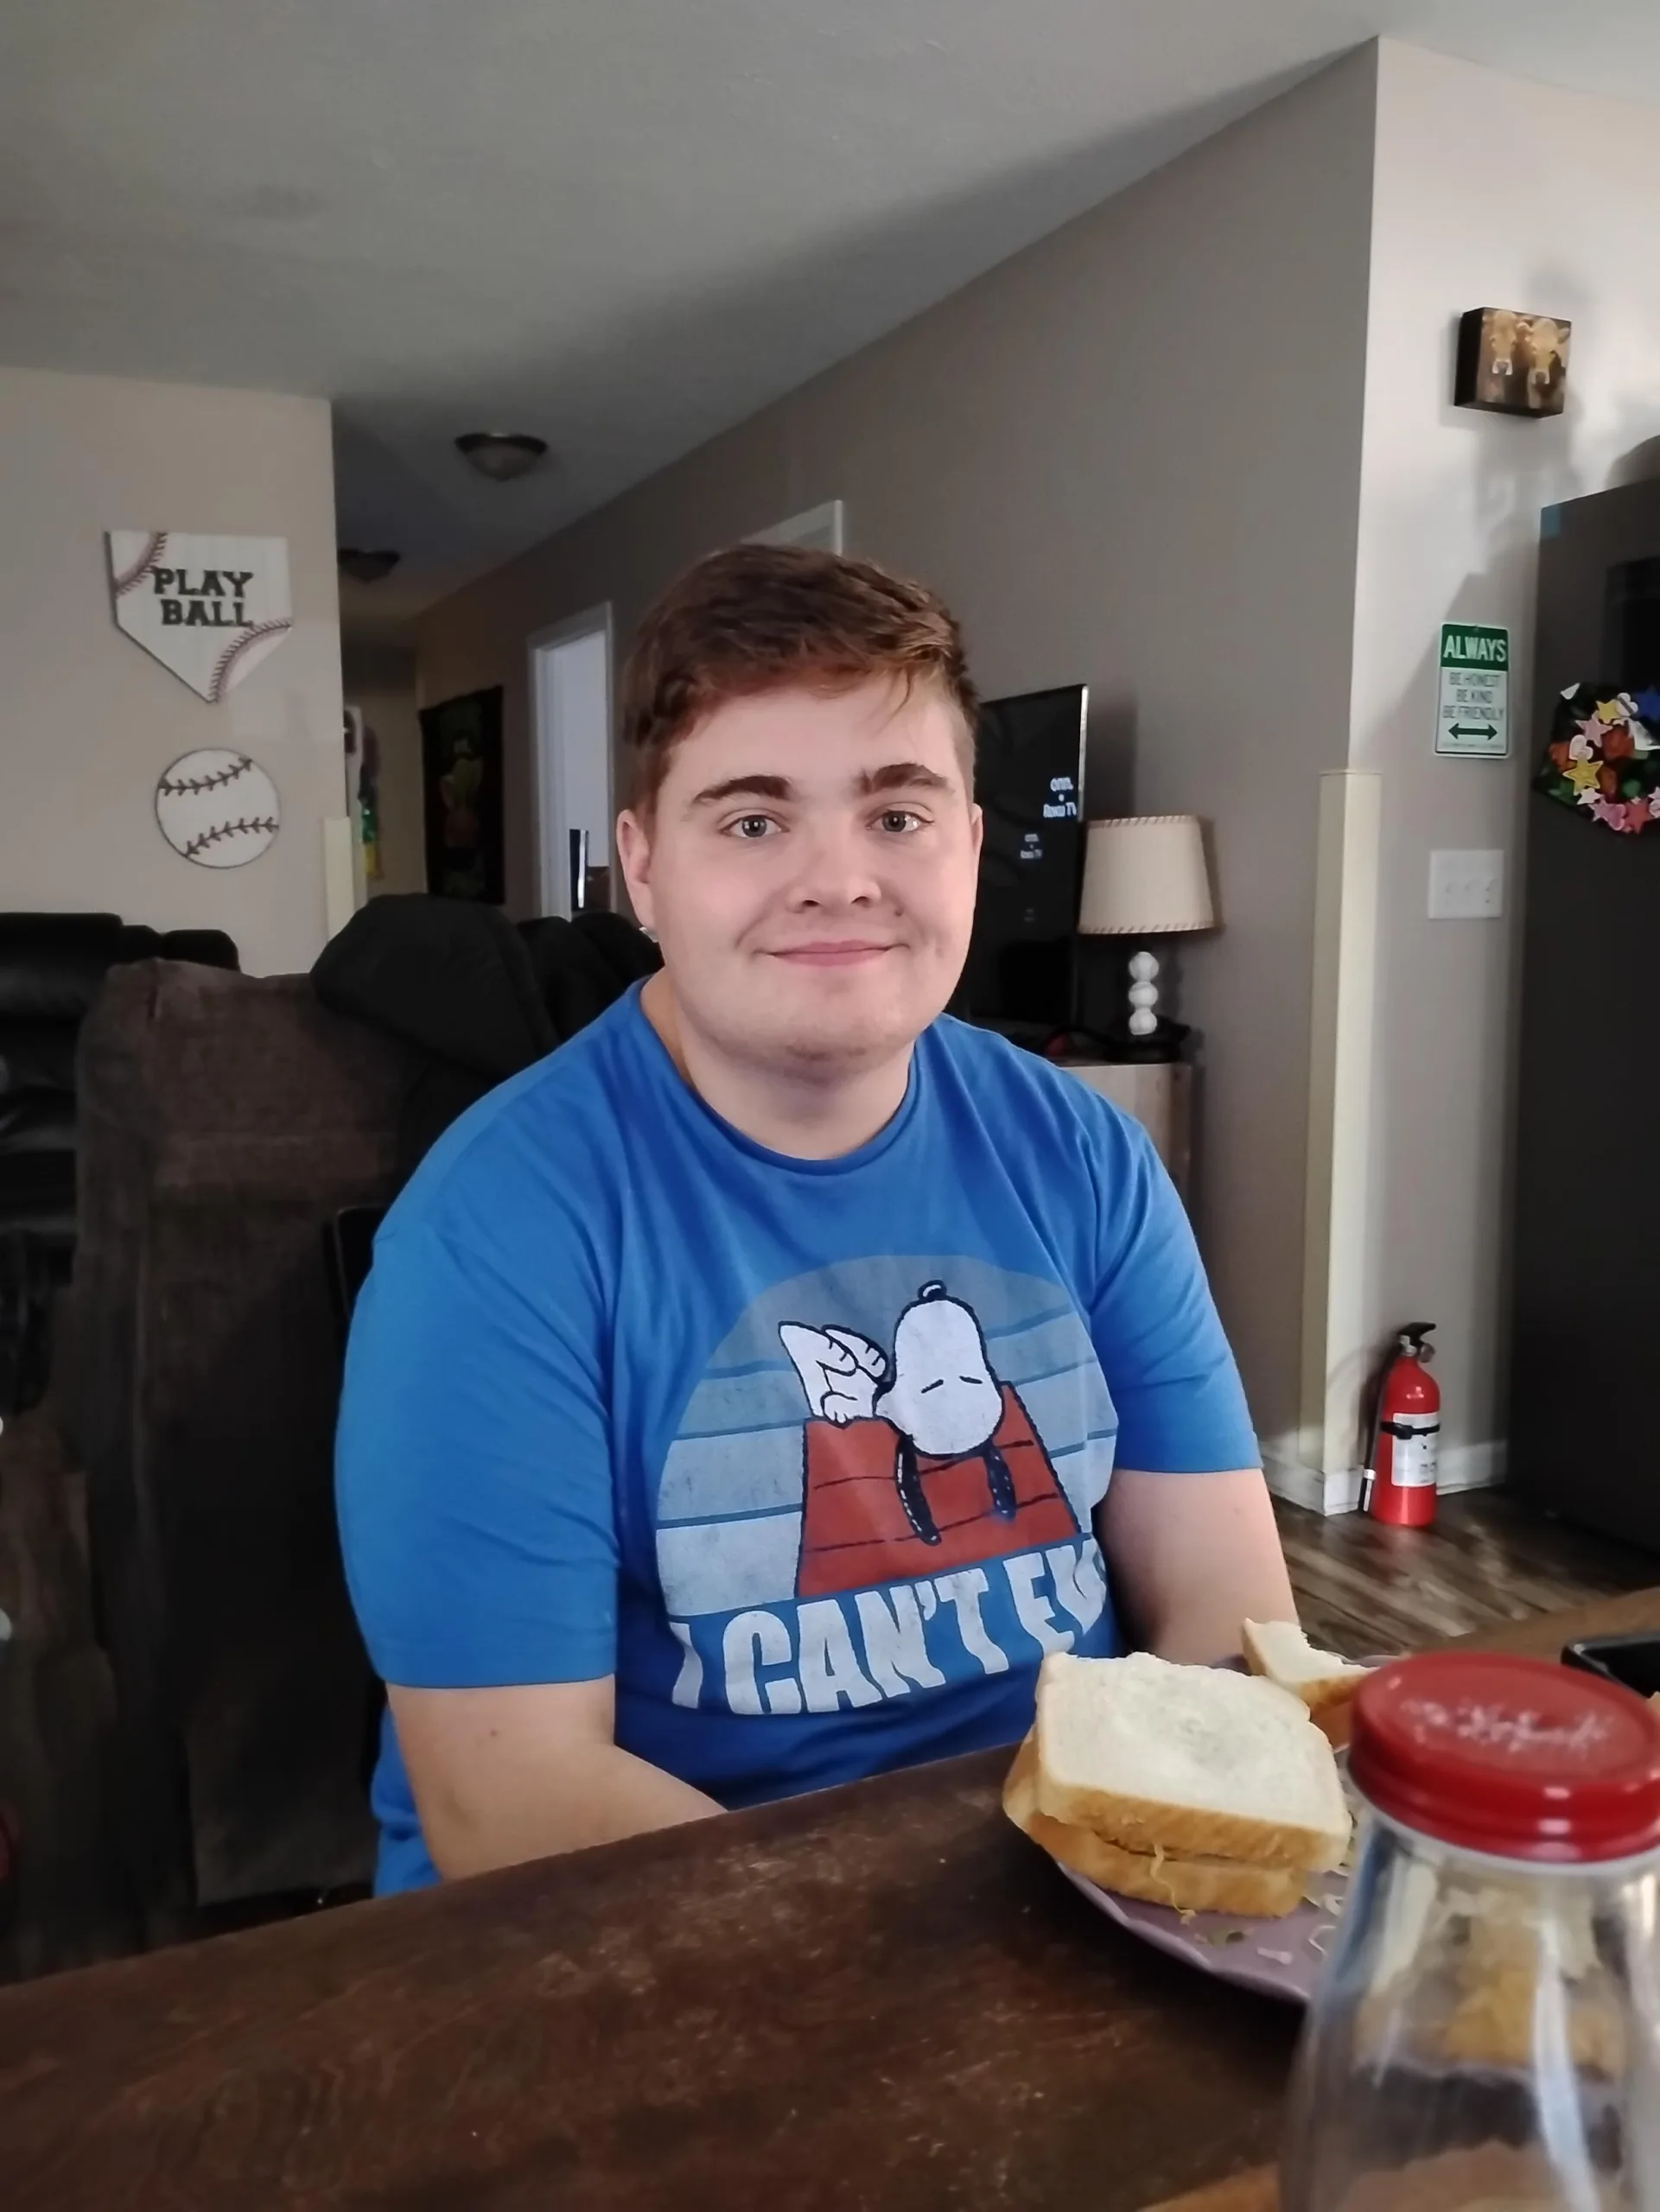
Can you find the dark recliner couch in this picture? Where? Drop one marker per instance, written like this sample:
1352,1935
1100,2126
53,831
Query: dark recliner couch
224,1119
226,1122
52,966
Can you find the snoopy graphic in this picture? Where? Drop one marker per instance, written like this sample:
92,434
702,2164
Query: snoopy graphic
933,1415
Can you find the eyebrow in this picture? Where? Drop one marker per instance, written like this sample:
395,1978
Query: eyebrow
901,776
777,787
895,776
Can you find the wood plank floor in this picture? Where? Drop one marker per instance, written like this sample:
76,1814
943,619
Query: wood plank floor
1363,1588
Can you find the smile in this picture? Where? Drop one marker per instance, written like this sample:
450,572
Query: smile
833,955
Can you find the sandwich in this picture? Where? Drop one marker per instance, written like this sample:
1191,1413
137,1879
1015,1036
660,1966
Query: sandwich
1157,1877
1187,1786
1280,1651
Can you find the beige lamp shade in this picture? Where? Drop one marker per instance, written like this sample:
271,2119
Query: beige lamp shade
1145,876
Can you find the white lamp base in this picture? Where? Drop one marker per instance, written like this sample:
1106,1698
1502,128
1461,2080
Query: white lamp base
1144,995
1144,1033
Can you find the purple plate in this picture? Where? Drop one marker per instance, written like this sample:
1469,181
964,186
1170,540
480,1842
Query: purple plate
1280,1958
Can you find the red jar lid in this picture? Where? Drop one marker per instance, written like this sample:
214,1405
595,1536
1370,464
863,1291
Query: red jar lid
1516,1758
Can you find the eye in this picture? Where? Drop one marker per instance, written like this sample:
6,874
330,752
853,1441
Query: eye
751,829
899,821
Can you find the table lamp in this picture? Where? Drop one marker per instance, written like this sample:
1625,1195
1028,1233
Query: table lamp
1145,876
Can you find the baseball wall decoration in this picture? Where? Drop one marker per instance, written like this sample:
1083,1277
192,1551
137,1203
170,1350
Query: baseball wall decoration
208,608
219,809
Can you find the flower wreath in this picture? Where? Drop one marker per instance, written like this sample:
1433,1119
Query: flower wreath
1603,756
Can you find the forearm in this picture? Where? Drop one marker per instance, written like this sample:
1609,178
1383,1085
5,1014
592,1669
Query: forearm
596,1794
1193,1556
503,1775
1201,1622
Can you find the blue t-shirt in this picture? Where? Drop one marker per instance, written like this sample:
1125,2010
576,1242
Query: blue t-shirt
805,1453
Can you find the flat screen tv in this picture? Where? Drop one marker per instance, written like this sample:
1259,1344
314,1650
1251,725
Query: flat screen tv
1020,975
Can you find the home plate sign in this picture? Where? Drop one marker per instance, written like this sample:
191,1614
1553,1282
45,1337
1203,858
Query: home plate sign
1472,706
208,608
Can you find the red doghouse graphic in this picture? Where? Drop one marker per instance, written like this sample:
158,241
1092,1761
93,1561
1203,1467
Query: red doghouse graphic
918,1464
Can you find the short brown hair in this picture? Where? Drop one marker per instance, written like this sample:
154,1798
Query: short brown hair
757,618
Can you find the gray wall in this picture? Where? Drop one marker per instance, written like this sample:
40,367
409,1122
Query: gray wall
88,719
1130,456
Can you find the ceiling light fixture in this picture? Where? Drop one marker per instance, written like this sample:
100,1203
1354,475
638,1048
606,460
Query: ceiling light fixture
367,568
501,454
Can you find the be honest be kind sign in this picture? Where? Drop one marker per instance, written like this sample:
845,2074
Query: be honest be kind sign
208,608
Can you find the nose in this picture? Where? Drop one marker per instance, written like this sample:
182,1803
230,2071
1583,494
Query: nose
834,871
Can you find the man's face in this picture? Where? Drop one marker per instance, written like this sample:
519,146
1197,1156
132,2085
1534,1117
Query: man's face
810,870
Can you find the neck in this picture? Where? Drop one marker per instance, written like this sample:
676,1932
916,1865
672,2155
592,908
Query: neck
815,1113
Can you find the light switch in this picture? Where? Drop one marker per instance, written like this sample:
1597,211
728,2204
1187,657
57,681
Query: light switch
1466,886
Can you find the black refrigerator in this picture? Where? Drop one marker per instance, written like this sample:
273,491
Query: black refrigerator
1584,1385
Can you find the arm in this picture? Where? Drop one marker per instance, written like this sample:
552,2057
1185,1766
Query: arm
477,1521
504,1775
1186,1524
1193,1556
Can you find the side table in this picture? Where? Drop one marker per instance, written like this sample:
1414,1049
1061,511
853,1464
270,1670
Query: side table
1158,1093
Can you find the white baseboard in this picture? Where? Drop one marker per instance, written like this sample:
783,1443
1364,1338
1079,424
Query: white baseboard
1463,1466
1304,1485
1472,1466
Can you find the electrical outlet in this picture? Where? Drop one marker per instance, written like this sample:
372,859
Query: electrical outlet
1466,886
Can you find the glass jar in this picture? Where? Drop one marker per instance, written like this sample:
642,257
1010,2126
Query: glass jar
1486,2035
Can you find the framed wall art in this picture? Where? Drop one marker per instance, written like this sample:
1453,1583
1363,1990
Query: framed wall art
1511,364
461,775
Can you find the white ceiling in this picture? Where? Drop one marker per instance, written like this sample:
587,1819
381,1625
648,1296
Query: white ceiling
621,223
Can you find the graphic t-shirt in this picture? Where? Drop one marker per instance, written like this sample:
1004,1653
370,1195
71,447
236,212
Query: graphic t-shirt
805,1453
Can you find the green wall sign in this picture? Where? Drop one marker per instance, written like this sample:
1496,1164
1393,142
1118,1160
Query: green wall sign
1473,704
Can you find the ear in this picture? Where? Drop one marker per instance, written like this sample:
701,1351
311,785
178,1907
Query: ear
634,852
977,829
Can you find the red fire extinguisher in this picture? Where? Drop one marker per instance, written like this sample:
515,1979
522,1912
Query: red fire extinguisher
1400,1484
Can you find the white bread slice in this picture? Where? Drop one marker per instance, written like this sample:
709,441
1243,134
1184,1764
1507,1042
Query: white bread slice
1187,1884
1280,1650
1195,1761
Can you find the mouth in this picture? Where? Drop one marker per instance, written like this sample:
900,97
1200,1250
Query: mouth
833,952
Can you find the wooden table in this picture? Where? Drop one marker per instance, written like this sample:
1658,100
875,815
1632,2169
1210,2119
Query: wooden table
881,1997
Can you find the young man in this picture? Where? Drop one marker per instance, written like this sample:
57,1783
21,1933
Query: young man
731,1406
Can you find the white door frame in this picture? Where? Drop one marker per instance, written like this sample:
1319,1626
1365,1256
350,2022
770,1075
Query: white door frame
552,863
823,527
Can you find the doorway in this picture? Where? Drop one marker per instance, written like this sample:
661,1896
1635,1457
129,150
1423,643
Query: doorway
570,696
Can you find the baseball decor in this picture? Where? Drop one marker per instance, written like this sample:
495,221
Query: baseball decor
208,608
219,809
